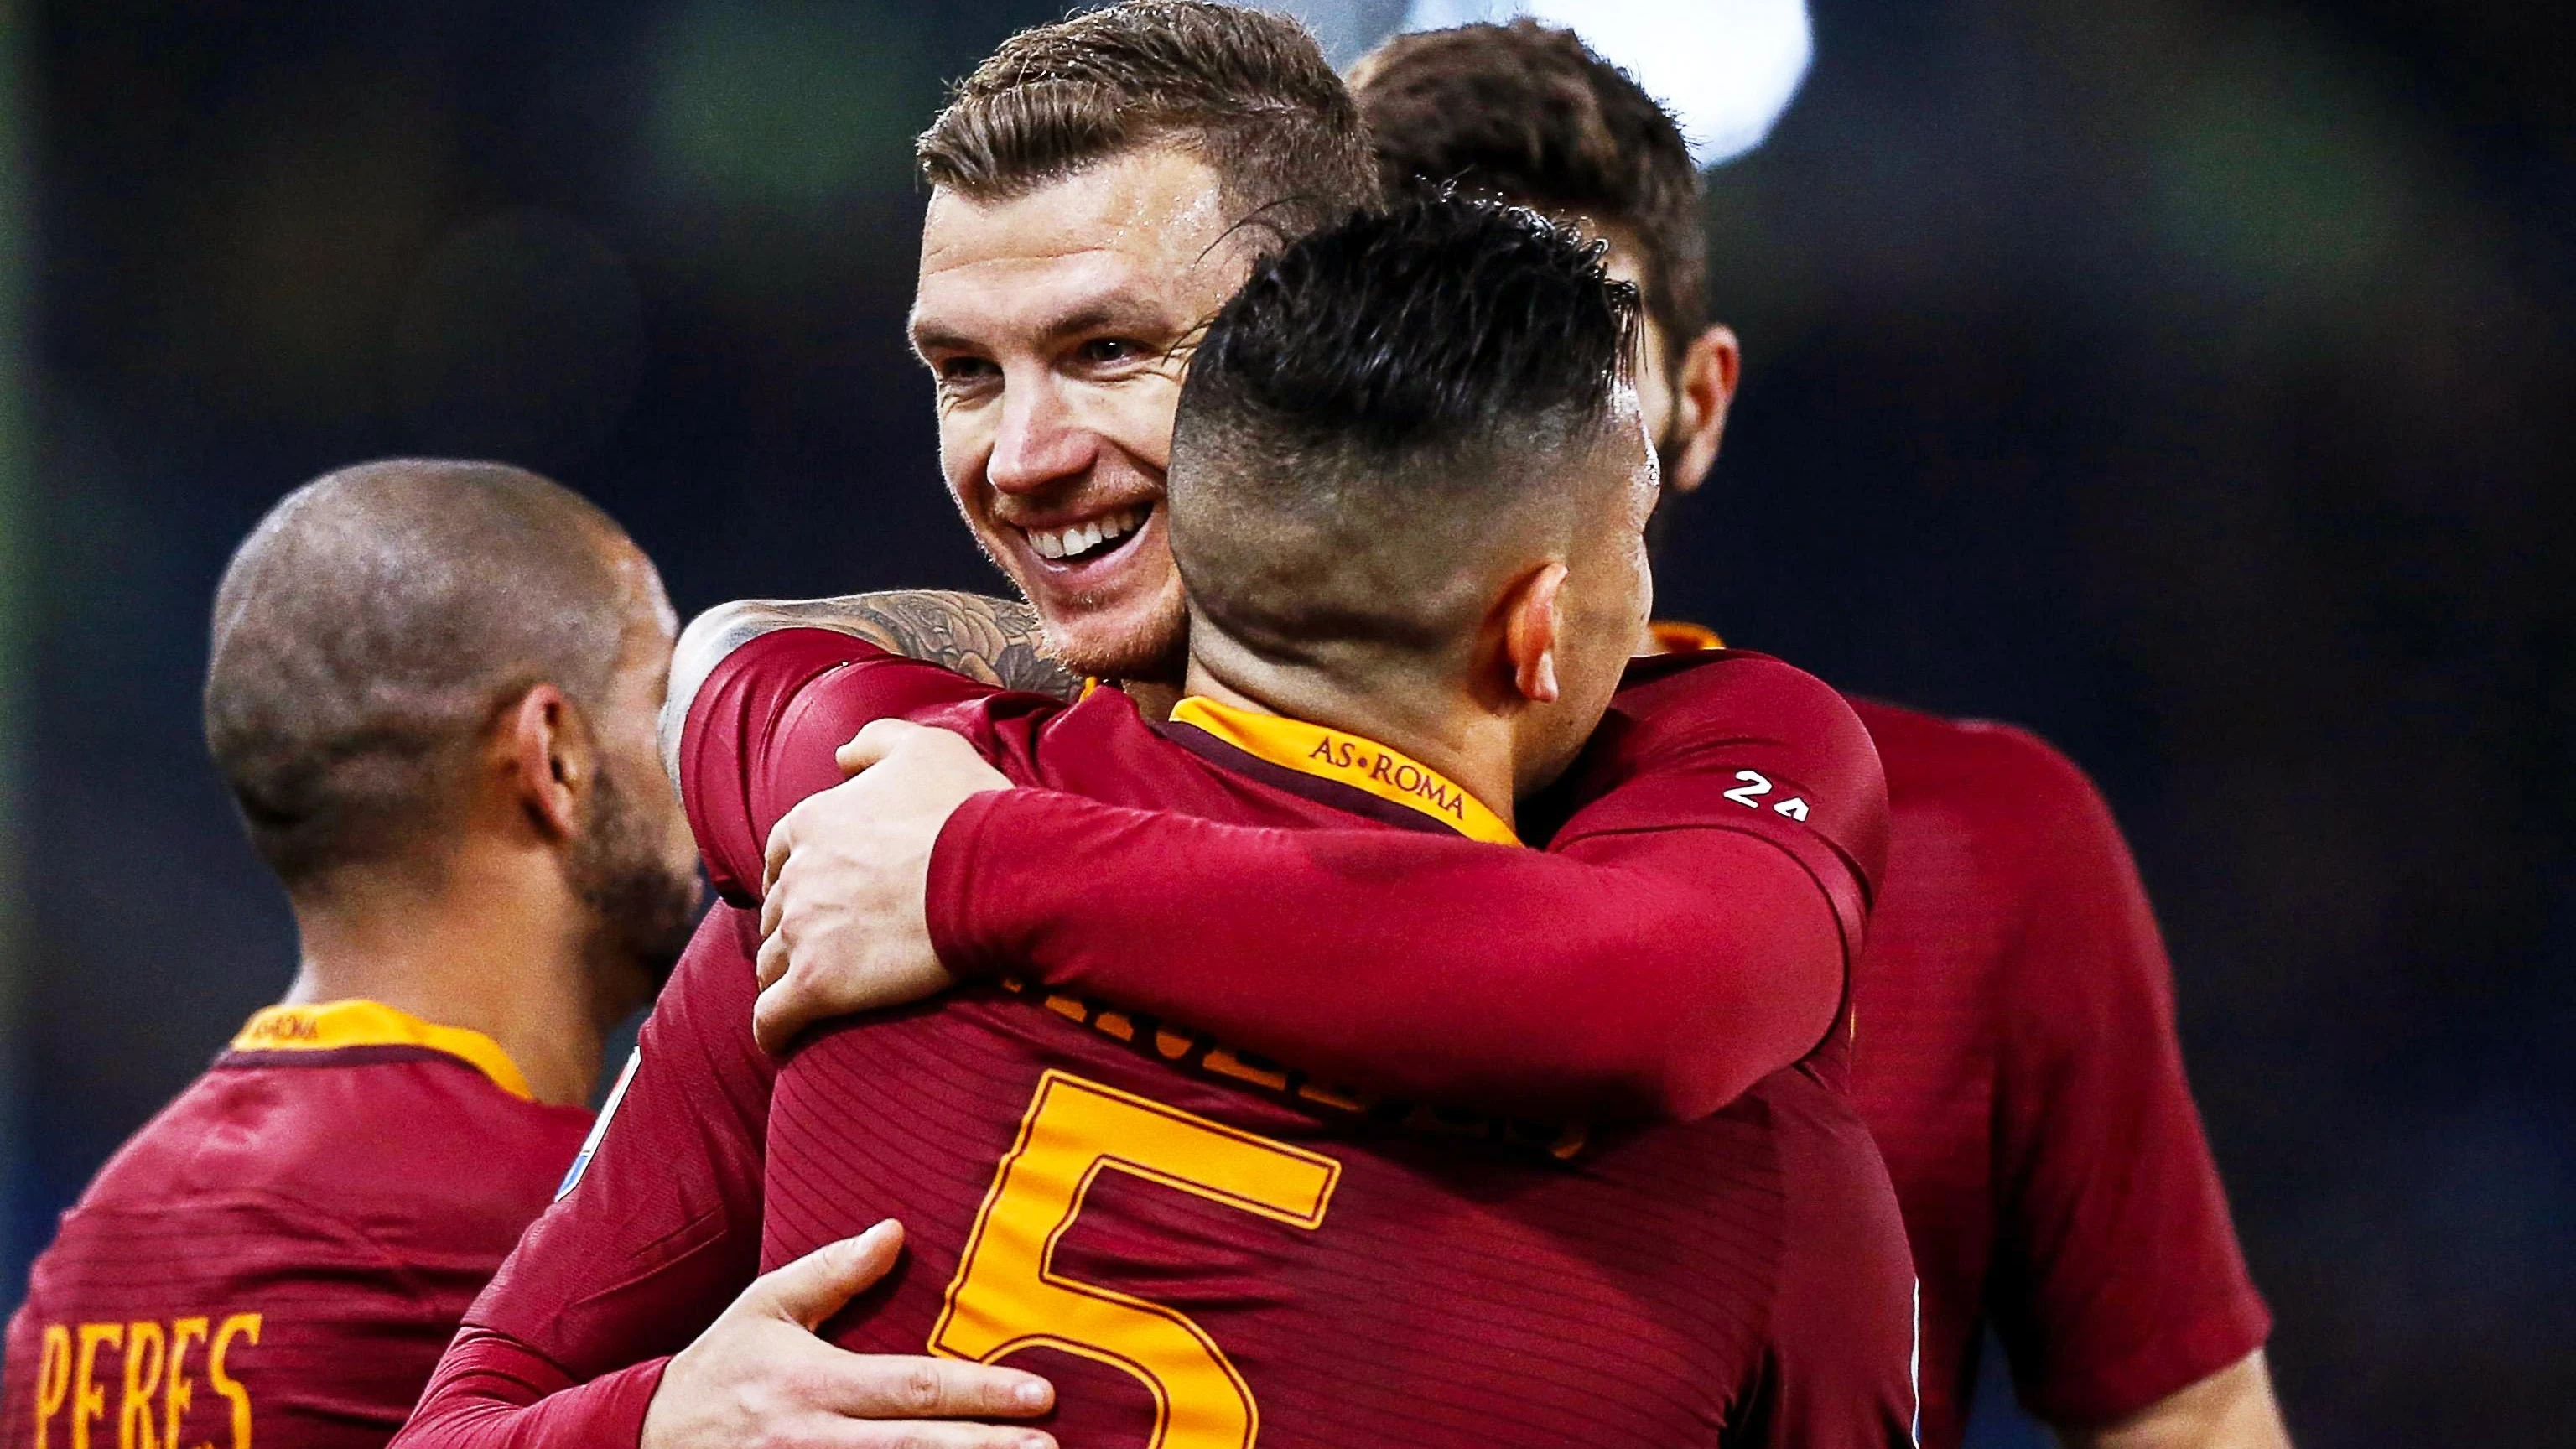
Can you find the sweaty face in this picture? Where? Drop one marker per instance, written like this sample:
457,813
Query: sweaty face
1052,324
634,866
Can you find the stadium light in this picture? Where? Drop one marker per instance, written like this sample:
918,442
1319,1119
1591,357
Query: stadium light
1727,68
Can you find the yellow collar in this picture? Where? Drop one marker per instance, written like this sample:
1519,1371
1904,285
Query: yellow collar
1329,754
1673,636
337,1025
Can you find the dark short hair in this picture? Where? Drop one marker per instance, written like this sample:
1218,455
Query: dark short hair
1529,113
1365,419
369,631
1246,91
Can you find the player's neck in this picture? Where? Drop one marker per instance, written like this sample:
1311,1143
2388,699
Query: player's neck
1474,748
493,944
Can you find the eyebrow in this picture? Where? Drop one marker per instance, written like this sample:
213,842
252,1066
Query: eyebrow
1098,315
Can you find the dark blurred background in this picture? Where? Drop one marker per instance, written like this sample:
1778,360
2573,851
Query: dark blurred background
2188,381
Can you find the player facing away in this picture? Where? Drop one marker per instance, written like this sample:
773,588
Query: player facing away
1099,188
2017,1058
2018,1061
432,691
1416,565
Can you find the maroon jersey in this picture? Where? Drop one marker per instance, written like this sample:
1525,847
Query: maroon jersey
1181,1233
2018,1063
281,1254
2016,1051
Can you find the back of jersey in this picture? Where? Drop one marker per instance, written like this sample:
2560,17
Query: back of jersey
278,1258
1206,1251
1203,1251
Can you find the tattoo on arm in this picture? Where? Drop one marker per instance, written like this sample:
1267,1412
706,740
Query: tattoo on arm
993,640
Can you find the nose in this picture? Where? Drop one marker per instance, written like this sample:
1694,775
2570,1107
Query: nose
1041,441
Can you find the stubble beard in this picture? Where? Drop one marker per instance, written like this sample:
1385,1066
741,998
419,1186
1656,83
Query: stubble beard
1154,649
641,910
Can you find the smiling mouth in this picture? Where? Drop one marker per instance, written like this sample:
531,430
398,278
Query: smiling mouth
1091,539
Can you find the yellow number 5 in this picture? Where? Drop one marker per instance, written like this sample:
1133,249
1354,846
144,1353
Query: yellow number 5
1007,1295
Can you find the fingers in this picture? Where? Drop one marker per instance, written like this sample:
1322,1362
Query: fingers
815,1286
772,1024
773,859
874,741
771,964
892,1386
782,1009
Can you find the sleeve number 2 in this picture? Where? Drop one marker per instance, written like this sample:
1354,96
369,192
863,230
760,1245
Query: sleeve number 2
1755,786
1007,1295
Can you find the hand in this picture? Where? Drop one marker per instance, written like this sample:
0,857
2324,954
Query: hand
844,919
758,1378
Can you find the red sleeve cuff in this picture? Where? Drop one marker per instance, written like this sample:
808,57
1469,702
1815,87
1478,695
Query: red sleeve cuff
492,1391
951,894
2114,1389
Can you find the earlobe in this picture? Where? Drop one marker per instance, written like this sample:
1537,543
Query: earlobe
1706,387
1530,639
547,763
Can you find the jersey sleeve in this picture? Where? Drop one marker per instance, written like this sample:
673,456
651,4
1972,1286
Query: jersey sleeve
1683,936
759,738
1842,1356
2118,1279
656,1230
496,1393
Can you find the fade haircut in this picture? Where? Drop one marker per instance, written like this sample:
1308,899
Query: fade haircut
1245,91
373,627
1381,416
1530,114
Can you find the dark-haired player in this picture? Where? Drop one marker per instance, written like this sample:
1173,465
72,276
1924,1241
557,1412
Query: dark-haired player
432,691
1416,570
2018,1063
2019,1067
2017,1060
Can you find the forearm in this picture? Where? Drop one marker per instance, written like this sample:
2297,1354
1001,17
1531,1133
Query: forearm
2232,1409
1648,975
994,641
493,1392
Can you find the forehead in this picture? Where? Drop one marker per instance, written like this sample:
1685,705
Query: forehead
1144,231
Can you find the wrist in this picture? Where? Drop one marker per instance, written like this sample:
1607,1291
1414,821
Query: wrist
952,904
620,1409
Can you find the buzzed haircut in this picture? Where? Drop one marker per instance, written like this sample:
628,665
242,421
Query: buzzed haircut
1528,113
1368,421
372,628
1246,91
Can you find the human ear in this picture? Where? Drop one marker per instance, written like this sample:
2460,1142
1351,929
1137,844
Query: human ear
549,760
1703,387
1531,624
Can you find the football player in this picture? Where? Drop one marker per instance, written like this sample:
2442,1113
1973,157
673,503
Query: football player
432,691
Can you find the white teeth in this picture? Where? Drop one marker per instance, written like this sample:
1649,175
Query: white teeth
1084,537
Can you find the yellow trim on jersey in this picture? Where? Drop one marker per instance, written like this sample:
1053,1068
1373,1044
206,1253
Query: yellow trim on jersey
1675,636
336,1025
1329,754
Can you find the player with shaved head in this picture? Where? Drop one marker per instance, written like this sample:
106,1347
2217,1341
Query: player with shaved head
432,691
